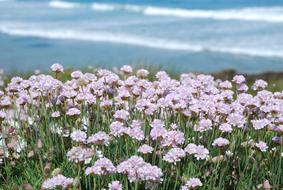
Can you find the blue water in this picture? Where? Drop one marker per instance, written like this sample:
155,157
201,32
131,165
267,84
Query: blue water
184,35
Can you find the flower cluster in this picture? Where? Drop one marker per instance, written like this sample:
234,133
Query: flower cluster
57,181
198,151
111,130
103,166
139,170
192,183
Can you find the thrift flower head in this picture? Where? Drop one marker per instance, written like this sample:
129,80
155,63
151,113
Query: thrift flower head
73,112
79,154
99,138
192,183
121,115
139,170
174,155
57,68
55,114
142,73
76,74
203,125
103,166
127,69
117,129
239,79
145,149
78,136
262,146
259,85
115,185
199,152
157,123
260,124
225,85
2,115
173,138
220,142
136,133
225,127
57,181
158,133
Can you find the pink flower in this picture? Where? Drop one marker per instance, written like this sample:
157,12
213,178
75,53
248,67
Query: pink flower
78,136
127,69
220,142
173,138
260,124
199,152
76,74
106,104
2,115
99,138
242,88
117,129
103,166
236,119
191,148
259,85
262,146
142,73
115,185
139,170
225,85
145,149
239,79
192,183
57,68
135,133
57,181
136,124
174,155
157,123
79,154
73,112
55,114
225,127
121,115
203,125
158,133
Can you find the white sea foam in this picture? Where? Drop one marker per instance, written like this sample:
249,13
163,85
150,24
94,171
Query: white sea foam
138,41
265,14
103,7
113,7
261,14
247,14
63,4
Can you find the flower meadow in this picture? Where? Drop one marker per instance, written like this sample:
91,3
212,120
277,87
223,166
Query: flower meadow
114,131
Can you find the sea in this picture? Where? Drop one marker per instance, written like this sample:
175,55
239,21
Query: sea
181,35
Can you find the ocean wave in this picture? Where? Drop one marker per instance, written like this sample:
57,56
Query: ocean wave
265,14
261,14
137,41
113,7
103,7
63,4
247,14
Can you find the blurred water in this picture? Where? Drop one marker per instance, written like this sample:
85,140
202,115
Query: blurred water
198,35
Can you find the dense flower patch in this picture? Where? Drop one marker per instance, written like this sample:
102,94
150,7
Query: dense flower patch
107,131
